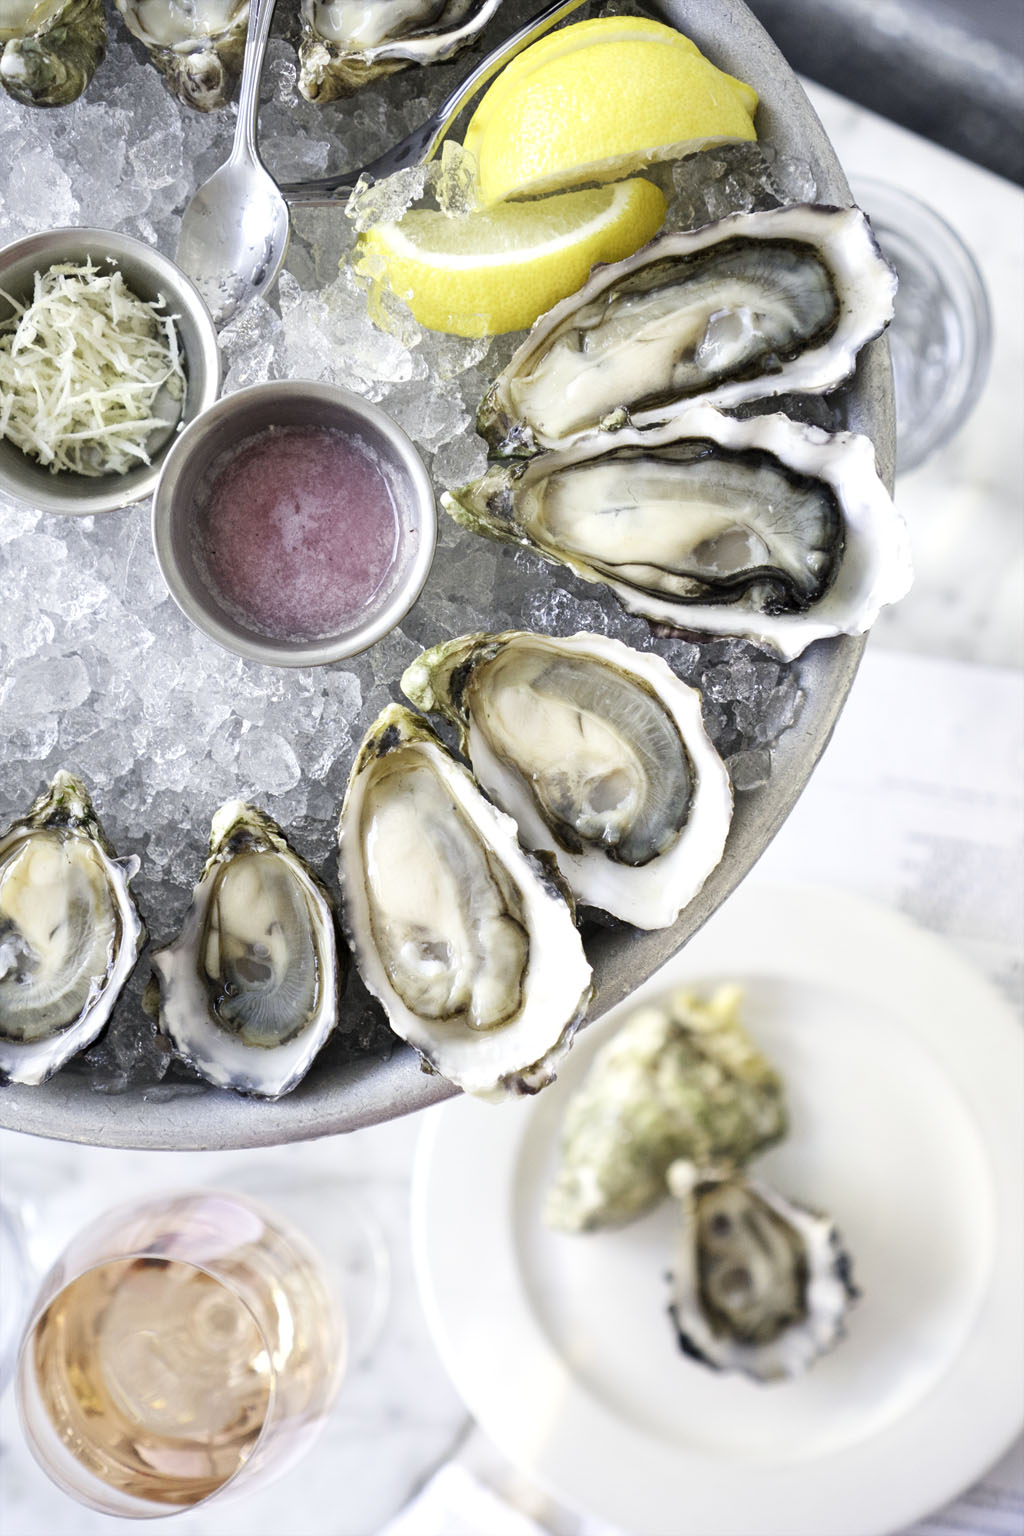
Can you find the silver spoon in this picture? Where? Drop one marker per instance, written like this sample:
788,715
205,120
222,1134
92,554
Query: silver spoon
234,232
420,145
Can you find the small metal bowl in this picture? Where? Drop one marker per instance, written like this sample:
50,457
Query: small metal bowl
150,276
178,508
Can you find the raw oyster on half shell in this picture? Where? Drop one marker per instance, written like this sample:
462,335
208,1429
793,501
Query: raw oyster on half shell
70,932
598,752
467,940
681,1078
197,45
50,49
249,989
347,43
764,528
754,305
761,1284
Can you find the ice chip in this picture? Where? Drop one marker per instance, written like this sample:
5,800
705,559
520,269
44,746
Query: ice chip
45,685
749,769
453,180
267,763
381,202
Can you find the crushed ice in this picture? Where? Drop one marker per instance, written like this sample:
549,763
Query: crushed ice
101,674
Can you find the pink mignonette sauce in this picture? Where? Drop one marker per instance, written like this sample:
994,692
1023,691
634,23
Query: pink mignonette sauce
300,531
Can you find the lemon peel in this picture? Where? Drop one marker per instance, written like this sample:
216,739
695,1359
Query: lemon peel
497,269
599,100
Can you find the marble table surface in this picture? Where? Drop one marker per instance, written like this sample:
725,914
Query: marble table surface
398,1417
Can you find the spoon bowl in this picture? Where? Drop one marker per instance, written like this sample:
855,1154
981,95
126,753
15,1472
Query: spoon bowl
234,231
234,237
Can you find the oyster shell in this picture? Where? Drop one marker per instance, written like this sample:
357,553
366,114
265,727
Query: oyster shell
249,989
756,304
764,528
50,49
680,1079
600,755
197,45
347,43
70,932
467,941
762,1285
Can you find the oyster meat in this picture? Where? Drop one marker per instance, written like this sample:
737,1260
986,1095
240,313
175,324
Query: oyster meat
50,49
598,752
680,1079
249,989
347,43
197,45
764,528
757,304
761,1285
70,932
468,941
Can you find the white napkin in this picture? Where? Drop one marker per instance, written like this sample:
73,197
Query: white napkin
454,1503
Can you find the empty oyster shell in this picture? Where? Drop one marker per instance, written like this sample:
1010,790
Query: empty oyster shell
249,990
197,45
680,1079
600,755
764,528
757,304
467,941
51,49
762,1285
347,43
70,932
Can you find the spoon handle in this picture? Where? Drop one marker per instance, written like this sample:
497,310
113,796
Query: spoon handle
261,14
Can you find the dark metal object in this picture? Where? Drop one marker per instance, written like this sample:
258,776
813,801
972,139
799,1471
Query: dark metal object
951,70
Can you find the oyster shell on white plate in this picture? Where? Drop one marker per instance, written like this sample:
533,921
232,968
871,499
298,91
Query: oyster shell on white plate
70,932
50,49
679,1078
467,940
249,989
763,528
761,1284
598,752
197,45
754,305
347,43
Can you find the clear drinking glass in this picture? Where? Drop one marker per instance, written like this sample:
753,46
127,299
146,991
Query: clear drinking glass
178,1348
941,334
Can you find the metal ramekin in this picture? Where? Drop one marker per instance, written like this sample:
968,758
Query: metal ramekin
150,275
292,402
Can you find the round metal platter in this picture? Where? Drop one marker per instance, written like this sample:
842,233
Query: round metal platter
371,1090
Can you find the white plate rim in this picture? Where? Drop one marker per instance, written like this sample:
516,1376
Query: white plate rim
879,1485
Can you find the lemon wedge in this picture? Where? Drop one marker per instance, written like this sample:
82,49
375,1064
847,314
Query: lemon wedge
499,268
598,101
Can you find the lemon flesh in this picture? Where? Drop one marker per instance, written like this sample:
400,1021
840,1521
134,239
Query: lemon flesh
597,101
498,269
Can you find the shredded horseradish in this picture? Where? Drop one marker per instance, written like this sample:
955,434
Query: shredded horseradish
81,368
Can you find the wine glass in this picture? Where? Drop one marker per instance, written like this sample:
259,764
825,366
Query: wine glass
16,1269
178,1348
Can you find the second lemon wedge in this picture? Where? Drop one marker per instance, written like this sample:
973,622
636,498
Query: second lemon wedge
498,269
597,101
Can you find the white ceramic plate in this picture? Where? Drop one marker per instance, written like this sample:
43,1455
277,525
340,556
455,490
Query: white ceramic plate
903,1069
